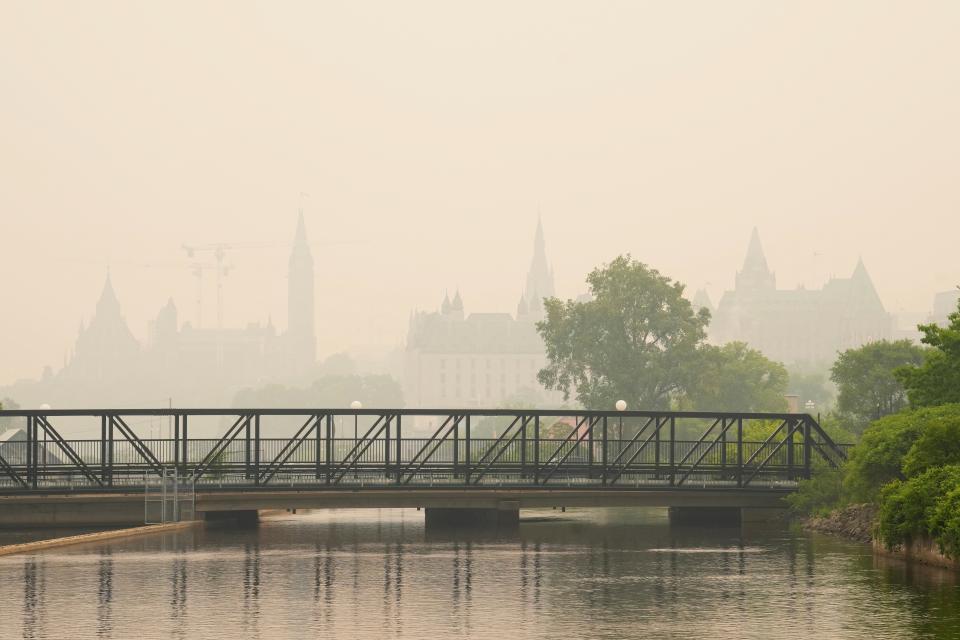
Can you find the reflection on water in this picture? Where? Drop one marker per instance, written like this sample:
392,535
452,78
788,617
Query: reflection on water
372,574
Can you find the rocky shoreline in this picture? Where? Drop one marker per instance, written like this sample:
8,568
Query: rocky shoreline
854,522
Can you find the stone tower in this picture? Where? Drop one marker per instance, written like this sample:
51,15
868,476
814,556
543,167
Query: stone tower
301,328
539,277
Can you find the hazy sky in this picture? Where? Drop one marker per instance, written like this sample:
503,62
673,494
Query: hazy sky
429,134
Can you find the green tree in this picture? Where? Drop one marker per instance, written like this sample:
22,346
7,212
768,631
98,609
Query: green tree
878,458
634,340
735,377
937,380
939,441
868,388
812,384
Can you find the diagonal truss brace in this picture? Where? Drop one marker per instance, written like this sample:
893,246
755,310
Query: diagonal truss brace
433,444
9,470
352,459
503,443
68,450
591,422
312,424
221,445
656,430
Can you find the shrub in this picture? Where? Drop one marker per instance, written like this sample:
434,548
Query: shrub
820,494
907,508
945,523
878,457
939,441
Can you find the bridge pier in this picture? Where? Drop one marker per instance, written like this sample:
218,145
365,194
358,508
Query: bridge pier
505,516
240,518
724,516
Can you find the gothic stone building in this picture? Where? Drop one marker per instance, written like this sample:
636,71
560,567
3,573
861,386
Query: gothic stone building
482,359
192,365
798,325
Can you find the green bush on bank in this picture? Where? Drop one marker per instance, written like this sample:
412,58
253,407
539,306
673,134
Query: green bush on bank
908,508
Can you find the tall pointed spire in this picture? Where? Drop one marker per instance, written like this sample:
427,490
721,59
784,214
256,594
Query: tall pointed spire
301,328
540,276
108,304
755,275
755,260
300,238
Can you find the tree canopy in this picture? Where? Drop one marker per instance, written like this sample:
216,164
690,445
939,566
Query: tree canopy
633,340
937,380
374,391
639,340
868,388
735,377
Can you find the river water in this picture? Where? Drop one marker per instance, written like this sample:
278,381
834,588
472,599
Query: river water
591,573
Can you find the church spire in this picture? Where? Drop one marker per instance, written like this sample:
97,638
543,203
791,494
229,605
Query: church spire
301,336
300,238
755,260
755,275
540,276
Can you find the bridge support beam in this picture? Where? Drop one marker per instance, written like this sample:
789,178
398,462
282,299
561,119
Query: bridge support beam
504,516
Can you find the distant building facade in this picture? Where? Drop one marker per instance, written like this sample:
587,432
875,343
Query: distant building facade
944,303
453,359
191,365
798,325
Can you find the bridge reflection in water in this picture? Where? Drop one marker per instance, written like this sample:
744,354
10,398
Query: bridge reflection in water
412,450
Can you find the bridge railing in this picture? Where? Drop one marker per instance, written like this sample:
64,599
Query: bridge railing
413,448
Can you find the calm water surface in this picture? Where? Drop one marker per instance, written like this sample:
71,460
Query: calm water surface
378,574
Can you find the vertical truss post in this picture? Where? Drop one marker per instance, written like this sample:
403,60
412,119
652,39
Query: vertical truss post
386,446
590,454
328,458
186,451
256,449
656,442
673,449
317,448
723,448
456,447
806,448
790,461
103,449
466,454
247,453
110,429
31,452
399,449
603,452
739,452
523,447
536,449
176,443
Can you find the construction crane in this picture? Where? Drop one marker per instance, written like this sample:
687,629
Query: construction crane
220,268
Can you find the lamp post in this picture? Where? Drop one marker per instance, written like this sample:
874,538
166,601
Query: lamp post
356,404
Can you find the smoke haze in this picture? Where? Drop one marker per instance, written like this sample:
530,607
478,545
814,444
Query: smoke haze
429,135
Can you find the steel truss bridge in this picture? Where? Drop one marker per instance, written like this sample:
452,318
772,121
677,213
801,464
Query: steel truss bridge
410,450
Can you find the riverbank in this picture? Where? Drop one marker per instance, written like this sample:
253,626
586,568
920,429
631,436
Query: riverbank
98,536
856,522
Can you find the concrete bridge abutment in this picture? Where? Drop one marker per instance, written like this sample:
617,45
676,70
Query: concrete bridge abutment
505,516
725,516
